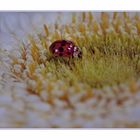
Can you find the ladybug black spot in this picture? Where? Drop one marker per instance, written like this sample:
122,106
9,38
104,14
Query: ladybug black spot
61,49
53,51
61,54
68,53
63,42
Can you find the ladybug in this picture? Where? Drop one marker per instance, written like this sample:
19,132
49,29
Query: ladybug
65,48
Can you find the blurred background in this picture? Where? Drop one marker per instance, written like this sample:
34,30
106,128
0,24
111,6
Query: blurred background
14,26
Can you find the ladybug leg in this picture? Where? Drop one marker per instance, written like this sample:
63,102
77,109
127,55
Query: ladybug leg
51,58
71,62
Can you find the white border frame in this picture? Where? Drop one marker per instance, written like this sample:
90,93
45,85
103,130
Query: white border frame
70,134
70,5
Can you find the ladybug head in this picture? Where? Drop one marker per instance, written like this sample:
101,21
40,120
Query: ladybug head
77,52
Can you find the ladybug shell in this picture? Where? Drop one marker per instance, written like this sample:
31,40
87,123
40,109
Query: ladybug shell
63,48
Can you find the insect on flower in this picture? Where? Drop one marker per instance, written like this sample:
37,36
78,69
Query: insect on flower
65,48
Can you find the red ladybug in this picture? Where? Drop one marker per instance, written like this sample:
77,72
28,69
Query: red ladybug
65,48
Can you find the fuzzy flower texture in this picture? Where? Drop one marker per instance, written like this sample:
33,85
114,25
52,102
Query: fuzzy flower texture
102,89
